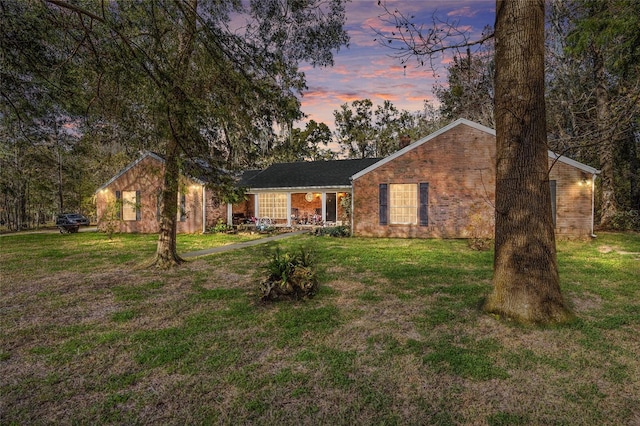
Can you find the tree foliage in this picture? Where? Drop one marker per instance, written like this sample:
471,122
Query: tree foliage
197,79
469,91
594,95
354,128
38,105
308,144
363,132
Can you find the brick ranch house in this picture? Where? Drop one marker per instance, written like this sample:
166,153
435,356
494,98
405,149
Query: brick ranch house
441,186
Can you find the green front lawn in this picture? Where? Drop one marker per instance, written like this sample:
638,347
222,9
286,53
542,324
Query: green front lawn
395,336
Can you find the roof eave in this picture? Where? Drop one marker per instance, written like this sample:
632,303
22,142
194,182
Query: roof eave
135,163
474,125
298,188
574,163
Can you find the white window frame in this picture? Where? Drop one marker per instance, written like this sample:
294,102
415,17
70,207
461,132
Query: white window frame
273,205
129,206
403,204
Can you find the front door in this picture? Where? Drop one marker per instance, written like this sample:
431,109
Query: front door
330,207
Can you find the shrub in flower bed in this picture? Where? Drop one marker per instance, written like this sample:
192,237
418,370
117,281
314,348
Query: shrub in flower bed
333,231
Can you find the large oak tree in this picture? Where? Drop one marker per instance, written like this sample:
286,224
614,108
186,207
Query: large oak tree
525,280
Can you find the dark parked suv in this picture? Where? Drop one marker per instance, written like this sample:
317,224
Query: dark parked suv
71,222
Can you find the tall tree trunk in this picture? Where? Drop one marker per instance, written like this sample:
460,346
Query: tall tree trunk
60,189
166,252
177,116
609,205
525,278
634,171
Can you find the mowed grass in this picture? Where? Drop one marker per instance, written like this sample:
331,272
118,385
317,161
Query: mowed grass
44,253
394,336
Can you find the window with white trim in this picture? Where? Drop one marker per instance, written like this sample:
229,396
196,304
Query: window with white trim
130,205
403,203
272,205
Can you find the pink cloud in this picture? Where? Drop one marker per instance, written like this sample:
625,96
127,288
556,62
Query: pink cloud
465,11
368,70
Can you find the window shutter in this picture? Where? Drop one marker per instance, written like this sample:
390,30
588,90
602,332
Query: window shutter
424,204
118,205
158,203
552,187
384,204
183,207
138,215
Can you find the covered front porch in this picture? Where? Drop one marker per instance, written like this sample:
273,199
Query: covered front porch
293,207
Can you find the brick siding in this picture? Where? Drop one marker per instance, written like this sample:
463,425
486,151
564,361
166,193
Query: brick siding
459,166
146,177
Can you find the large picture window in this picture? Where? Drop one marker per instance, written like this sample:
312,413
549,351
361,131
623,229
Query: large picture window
403,204
130,205
272,205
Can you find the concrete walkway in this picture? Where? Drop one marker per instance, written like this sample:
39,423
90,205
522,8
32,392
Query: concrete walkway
250,243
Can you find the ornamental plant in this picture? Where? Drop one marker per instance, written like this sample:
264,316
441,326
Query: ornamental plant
290,275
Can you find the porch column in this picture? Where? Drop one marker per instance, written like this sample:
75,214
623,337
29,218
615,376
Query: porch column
256,207
288,209
593,205
229,214
352,218
324,207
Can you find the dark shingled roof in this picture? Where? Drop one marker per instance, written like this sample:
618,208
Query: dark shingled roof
306,174
246,176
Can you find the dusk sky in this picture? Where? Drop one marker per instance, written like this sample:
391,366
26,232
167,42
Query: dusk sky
366,70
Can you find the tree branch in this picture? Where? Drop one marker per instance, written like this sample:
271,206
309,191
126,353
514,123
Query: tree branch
419,41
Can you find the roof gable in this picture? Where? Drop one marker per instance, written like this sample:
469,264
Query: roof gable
135,163
131,166
474,125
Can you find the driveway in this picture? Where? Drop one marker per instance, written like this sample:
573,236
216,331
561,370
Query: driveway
49,231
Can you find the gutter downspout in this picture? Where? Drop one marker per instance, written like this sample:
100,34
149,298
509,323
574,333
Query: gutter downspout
593,205
289,209
352,203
